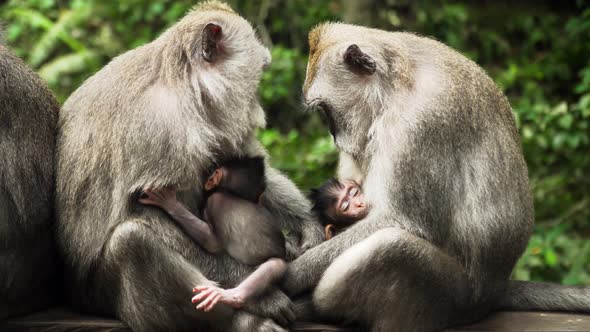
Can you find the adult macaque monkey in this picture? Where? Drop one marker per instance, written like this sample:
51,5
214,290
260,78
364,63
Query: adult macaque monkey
436,144
28,120
158,116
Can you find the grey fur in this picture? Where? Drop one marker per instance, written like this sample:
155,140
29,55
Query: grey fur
521,295
160,115
247,232
436,145
28,118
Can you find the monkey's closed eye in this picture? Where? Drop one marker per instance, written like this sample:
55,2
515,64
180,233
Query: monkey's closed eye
344,205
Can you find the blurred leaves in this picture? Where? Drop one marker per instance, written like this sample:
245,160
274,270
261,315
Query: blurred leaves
306,160
537,52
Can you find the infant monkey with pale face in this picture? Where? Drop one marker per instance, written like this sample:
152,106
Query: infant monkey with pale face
339,204
235,222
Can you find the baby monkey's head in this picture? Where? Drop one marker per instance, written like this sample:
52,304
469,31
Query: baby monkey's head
244,177
339,204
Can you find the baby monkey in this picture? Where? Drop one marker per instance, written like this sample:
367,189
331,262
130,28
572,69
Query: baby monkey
235,222
339,204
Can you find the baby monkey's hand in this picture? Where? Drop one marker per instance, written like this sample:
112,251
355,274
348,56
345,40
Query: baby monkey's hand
210,295
164,198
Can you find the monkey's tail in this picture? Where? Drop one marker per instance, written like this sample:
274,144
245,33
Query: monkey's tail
522,295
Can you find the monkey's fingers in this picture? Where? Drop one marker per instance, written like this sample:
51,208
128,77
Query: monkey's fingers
203,294
201,288
146,201
151,194
205,303
169,191
158,194
290,315
148,190
211,305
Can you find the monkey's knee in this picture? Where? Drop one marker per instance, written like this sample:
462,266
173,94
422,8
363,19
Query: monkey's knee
278,263
132,251
339,290
356,257
126,235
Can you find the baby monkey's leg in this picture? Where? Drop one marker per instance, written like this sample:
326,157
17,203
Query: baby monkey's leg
256,283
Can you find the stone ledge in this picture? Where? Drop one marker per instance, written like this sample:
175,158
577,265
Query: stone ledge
64,320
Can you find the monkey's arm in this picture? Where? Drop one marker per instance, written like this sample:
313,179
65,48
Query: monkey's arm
261,279
284,200
200,231
305,272
197,229
255,284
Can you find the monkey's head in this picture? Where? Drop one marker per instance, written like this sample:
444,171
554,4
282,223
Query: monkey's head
219,54
350,71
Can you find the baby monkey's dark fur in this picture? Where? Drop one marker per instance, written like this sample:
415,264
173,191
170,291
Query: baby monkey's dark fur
237,218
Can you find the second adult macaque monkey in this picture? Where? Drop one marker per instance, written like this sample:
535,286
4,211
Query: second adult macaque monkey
436,144
235,222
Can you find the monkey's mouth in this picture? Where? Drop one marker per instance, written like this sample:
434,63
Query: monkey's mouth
327,110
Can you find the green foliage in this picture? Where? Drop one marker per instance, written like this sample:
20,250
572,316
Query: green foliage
537,52
555,255
306,160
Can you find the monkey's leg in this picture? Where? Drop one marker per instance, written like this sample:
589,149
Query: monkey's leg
162,300
393,281
255,284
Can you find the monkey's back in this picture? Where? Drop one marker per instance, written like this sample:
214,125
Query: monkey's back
248,233
28,116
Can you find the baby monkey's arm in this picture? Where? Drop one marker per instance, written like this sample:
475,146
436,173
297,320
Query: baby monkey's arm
256,283
197,229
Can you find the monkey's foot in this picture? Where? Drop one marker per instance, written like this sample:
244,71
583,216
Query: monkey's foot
210,295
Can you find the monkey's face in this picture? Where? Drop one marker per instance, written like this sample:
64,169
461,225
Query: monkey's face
349,203
344,81
227,60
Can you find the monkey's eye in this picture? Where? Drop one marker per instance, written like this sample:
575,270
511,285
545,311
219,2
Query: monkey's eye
344,205
354,192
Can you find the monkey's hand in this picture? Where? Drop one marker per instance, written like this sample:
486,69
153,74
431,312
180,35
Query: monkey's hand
311,236
164,198
292,246
210,295
273,304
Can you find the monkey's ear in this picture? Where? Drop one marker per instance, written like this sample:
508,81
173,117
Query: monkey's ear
211,37
359,62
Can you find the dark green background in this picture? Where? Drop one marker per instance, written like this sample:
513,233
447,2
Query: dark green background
538,52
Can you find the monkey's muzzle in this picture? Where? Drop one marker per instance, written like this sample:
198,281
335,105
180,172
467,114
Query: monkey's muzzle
328,113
